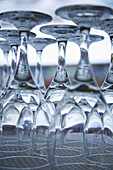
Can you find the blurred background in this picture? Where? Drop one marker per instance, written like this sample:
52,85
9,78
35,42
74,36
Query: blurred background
99,53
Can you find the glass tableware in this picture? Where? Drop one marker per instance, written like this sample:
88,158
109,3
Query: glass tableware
23,92
89,13
84,77
107,87
23,101
57,89
61,79
39,44
84,88
107,84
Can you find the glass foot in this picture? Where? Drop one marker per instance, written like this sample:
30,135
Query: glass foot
83,12
25,20
60,32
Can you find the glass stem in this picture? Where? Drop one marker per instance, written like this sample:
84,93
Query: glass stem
111,62
62,52
84,70
111,38
23,71
109,77
61,69
38,71
5,69
14,49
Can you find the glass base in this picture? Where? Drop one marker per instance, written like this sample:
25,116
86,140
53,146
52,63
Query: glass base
60,32
84,15
25,20
91,39
5,46
12,36
40,43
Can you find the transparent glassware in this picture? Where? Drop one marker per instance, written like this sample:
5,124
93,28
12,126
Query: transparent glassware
23,91
107,88
84,90
61,80
39,44
23,101
65,150
4,45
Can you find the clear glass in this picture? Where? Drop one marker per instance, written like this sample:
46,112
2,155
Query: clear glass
107,89
23,86
23,103
84,91
39,44
14,50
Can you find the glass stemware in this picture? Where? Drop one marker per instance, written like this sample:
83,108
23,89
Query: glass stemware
61,79
107,87
84,88
39,44
107,84
4,45
23,101
65,149
23,92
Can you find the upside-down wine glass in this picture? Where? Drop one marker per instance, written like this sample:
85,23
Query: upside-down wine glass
40,145
58,86
9,143
39,44
23,80
107,90
22,101
61,80
84,88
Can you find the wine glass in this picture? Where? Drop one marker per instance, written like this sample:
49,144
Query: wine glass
23,86
61,80
65,150
23,100
39,44
84,88
106,25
